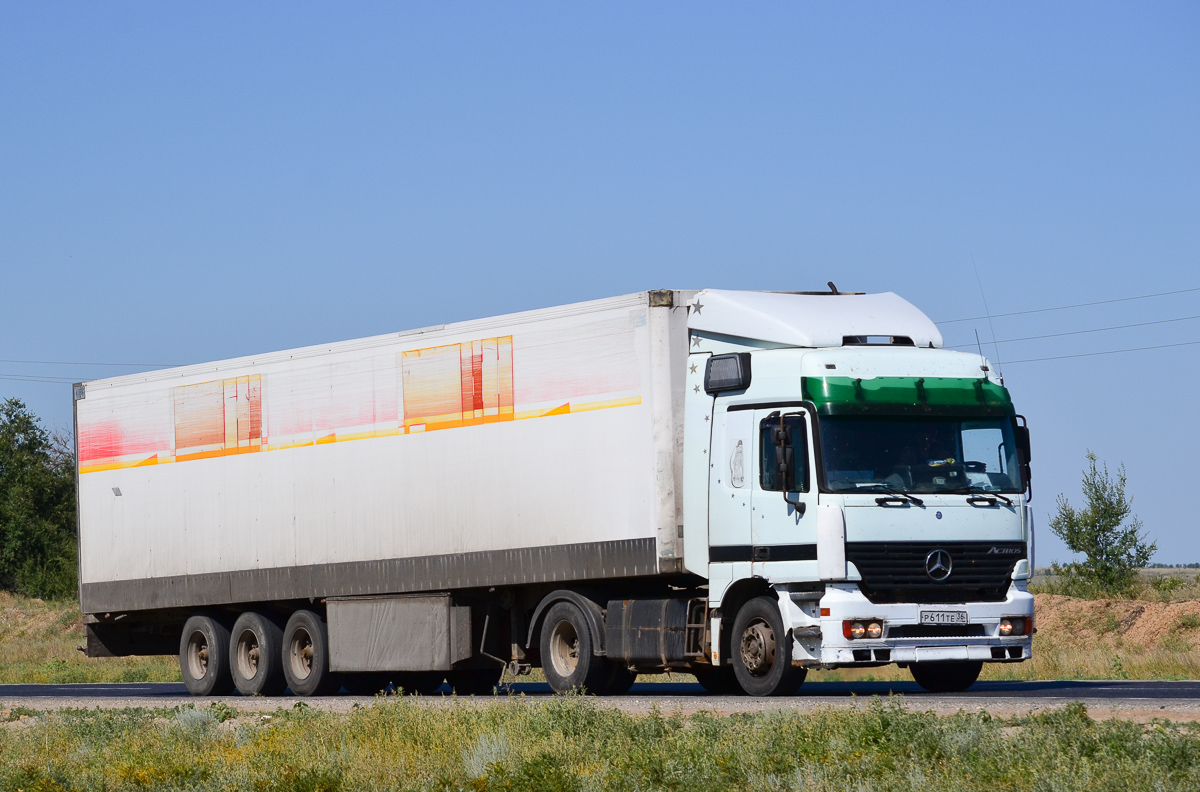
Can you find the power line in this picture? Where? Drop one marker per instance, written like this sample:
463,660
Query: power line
30,378
1109,352
1076,305
67,363
1080,332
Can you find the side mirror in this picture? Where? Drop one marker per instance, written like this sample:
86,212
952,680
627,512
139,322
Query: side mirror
785,457
1024,454
1023,443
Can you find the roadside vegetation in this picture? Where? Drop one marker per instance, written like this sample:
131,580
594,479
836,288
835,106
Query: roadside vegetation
1106,532
573,744
37,506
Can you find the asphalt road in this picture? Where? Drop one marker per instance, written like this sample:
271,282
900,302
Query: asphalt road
1127,699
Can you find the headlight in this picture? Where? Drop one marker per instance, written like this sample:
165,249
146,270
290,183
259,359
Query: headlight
874,630
857,630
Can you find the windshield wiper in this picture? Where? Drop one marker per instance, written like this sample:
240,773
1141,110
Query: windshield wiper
983,495
895,493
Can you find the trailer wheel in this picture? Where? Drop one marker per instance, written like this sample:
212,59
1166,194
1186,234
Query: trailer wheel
762,651
566,649
256,656
946,677
306,654
475,681
204,657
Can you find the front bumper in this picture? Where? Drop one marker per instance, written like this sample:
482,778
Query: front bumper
819,641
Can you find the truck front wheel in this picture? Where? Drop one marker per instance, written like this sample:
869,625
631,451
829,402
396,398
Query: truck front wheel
306,654
762,651
204,657
947,677
567,659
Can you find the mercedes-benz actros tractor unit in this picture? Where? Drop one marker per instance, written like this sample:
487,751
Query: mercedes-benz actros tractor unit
737,485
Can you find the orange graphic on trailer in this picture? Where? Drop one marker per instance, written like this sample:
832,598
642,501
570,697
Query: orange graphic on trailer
457,384
397,393
218,418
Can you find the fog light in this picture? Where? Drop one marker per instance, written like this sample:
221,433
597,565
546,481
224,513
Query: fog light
874,630
1012,627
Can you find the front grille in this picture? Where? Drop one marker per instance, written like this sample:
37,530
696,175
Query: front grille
895,571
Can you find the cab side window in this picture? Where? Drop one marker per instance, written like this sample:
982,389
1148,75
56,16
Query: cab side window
793,450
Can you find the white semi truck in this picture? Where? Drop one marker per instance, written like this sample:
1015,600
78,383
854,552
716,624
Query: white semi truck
737,485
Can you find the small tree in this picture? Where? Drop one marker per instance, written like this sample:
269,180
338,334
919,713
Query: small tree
1107,532
37,506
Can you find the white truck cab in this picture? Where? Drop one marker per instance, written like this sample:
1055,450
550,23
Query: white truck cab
870,485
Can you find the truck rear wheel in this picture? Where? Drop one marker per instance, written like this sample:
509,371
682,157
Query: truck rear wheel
567,658
762,651
204,657
948,677
306,654
620,680
256,656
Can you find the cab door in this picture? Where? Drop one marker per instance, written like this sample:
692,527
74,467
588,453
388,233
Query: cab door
731,478
783,496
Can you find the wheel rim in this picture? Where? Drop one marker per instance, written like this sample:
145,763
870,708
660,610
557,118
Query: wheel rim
197,655
300,654
248,653
564,649
758,648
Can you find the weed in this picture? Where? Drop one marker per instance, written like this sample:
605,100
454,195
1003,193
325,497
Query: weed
1188,621
574,744
1166,586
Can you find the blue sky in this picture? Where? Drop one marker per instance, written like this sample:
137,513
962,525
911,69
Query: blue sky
181,183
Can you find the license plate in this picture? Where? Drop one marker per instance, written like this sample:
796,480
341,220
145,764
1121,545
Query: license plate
943,617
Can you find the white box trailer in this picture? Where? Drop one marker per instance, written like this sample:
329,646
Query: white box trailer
445,502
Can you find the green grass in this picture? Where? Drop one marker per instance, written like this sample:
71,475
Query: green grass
577,744
39,640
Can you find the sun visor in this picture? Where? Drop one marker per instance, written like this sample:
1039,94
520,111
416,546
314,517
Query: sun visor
810,320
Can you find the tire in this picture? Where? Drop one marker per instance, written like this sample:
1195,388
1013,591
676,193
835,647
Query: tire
566,652
204,657
620,680
949,677
475,681
718,681
305,654
256,656
423,683
762,651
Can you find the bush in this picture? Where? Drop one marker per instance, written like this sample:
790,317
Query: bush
37,507
1106,532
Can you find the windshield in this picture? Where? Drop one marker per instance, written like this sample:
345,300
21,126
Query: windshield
878,454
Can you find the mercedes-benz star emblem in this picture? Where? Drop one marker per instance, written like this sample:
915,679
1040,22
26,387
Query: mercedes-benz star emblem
938,565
